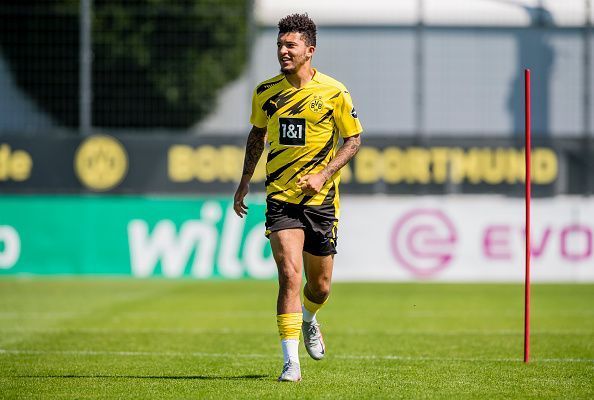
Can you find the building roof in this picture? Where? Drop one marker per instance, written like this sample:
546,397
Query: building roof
504,13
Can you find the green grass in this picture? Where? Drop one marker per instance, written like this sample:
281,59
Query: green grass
125,338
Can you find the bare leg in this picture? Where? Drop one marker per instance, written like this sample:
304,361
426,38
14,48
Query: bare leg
287,246
318,273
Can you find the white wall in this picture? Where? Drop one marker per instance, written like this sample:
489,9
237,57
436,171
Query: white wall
464,239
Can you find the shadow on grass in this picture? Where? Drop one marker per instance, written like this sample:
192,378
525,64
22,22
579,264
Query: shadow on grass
188,377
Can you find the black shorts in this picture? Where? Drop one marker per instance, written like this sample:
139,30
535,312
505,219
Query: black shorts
318,222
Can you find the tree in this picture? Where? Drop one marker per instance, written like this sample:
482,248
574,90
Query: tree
156,63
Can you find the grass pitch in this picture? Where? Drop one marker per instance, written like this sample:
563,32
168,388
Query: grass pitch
125,338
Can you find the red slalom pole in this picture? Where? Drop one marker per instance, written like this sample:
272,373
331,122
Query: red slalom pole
527,152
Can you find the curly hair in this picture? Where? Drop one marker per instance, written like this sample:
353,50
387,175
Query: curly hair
299,23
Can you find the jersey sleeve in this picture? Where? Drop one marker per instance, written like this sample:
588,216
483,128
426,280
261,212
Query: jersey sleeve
258,117
345,116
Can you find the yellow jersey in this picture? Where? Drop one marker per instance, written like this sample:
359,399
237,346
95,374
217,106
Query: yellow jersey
303,127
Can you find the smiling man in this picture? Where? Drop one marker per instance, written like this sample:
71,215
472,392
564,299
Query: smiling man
303,113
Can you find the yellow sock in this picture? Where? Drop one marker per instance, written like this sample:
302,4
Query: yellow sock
289,325
310,308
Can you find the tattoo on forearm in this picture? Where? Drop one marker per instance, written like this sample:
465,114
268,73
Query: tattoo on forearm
347,151
253,150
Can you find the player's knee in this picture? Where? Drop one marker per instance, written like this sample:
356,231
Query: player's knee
289,275
319,292
289,286
289,268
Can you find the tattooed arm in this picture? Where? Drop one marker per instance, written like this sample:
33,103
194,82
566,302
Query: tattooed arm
253,152
312,184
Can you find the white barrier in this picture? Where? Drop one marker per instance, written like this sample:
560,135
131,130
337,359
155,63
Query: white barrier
462,239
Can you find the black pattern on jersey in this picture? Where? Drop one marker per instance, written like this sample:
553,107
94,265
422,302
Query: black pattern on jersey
335,96
316,160
298,107
305,199
273,154
325,116
265,86
329,113
276,174
270,106
269,196
277,101
329,199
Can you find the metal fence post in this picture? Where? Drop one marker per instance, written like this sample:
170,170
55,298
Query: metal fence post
85,68
589,144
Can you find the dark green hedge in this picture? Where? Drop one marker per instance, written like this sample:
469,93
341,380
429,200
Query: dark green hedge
157,63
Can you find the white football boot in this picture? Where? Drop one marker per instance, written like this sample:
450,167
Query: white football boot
313,341
291,372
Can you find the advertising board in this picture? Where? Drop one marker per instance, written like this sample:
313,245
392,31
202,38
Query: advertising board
431,238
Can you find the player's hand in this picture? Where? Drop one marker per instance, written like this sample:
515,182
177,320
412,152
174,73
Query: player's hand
238,205
311,184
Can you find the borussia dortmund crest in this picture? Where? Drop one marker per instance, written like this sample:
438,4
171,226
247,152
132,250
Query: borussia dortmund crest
316,105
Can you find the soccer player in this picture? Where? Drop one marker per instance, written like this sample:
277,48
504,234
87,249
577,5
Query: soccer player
302,112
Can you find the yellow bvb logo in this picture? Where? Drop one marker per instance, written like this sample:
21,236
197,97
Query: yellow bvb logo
101,162
316,105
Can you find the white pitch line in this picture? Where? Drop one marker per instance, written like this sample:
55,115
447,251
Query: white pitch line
461,359
256,355
127,331
131,353
500,332
123,314
232,331
41,315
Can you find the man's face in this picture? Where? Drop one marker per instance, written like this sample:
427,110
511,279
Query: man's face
292,52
